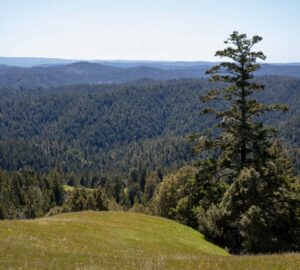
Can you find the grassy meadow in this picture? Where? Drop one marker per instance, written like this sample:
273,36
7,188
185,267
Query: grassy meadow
119,240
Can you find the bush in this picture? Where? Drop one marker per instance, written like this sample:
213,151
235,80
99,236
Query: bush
173,197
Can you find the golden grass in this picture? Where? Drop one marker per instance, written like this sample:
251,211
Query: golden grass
119,240
68,188
71,188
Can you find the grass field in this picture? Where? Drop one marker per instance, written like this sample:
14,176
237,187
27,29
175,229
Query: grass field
119,240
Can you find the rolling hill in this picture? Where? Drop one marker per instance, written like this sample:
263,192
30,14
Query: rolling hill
87,73
107,72
119,240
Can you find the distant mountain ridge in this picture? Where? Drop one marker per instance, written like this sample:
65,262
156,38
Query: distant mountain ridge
87,73
164,64
33,61
36,61
116,72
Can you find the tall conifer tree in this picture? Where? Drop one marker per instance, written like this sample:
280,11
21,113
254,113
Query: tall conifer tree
258,211
240,139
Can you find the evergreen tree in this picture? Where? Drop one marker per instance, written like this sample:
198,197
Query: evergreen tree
2,214
152,180
58,190
91,202
95,181
257,212
33,200
100,198
124,199
240,139
133,174
77,200
143,179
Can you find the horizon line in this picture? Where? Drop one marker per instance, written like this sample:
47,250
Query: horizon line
127,60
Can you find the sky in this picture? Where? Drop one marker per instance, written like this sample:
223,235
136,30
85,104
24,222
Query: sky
177,30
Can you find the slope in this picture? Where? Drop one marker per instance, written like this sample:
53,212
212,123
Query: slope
98,239
118,240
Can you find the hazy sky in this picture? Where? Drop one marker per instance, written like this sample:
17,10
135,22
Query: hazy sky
146,29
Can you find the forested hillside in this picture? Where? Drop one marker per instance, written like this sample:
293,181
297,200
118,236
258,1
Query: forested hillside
110,129
123,138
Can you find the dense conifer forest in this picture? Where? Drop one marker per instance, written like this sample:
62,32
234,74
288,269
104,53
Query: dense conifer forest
110,129
118,136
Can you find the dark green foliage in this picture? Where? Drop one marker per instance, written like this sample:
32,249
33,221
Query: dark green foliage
174,197
77,200
101,201
268,218
243,195
96,128
151,182
124,200
81,199
58,191
2,214
241,139
26,194
110,129
257,213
